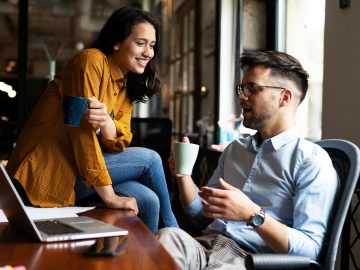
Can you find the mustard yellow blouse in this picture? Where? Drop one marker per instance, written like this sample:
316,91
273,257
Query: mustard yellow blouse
48,155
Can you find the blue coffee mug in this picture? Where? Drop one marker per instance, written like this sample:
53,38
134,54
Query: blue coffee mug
74,108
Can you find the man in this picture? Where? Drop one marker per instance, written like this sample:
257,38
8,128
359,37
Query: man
271,192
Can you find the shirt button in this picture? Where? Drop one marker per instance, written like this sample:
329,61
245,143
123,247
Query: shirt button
115,94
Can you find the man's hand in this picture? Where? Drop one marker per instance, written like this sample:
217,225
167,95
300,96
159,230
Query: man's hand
230,203
187,188
227,203
219,147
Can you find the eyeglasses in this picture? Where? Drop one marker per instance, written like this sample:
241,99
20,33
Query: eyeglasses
250,88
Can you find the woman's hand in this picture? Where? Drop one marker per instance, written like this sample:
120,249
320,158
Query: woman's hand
97,113
98,116
114,201
123,203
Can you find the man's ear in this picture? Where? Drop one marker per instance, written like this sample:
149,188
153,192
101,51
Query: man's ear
286,97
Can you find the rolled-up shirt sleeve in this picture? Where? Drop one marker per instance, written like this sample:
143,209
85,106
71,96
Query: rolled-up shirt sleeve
194,209
313,201
124,135
88,155
194,212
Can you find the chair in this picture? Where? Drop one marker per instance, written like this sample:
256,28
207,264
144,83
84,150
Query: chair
346,160
205,165
154,133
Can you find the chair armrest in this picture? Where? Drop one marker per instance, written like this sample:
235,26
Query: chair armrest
279,261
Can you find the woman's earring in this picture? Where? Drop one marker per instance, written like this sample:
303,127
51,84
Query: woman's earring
116,47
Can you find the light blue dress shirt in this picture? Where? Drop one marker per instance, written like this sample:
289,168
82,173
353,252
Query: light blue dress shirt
291,178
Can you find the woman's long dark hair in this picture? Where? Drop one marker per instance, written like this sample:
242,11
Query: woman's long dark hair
117,28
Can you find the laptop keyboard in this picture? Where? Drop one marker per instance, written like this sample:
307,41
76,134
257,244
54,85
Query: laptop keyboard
54,227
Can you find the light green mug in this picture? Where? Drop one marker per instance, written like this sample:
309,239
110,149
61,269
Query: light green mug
185,155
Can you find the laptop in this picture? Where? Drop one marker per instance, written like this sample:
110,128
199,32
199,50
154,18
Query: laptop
49,230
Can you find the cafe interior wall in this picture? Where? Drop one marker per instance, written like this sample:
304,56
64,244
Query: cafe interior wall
341,86
341,90
57,29
341,57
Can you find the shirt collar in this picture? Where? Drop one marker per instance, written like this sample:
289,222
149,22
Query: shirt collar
279,140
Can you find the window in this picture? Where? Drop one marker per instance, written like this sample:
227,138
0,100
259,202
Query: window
304,39
300,32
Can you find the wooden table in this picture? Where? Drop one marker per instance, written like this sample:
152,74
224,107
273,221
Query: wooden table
143,250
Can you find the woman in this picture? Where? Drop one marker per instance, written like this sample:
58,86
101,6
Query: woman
57,165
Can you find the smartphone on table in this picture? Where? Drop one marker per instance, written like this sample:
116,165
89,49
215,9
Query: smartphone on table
107,246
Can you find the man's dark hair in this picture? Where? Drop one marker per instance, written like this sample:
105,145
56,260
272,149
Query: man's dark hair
281,64
116,29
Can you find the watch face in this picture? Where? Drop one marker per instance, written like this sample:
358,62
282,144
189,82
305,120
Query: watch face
258,220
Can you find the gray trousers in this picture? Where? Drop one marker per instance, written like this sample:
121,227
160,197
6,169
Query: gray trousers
213,251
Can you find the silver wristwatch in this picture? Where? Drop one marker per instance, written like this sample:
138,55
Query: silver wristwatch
257,219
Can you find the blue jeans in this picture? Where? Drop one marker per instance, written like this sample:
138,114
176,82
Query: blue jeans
138,172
